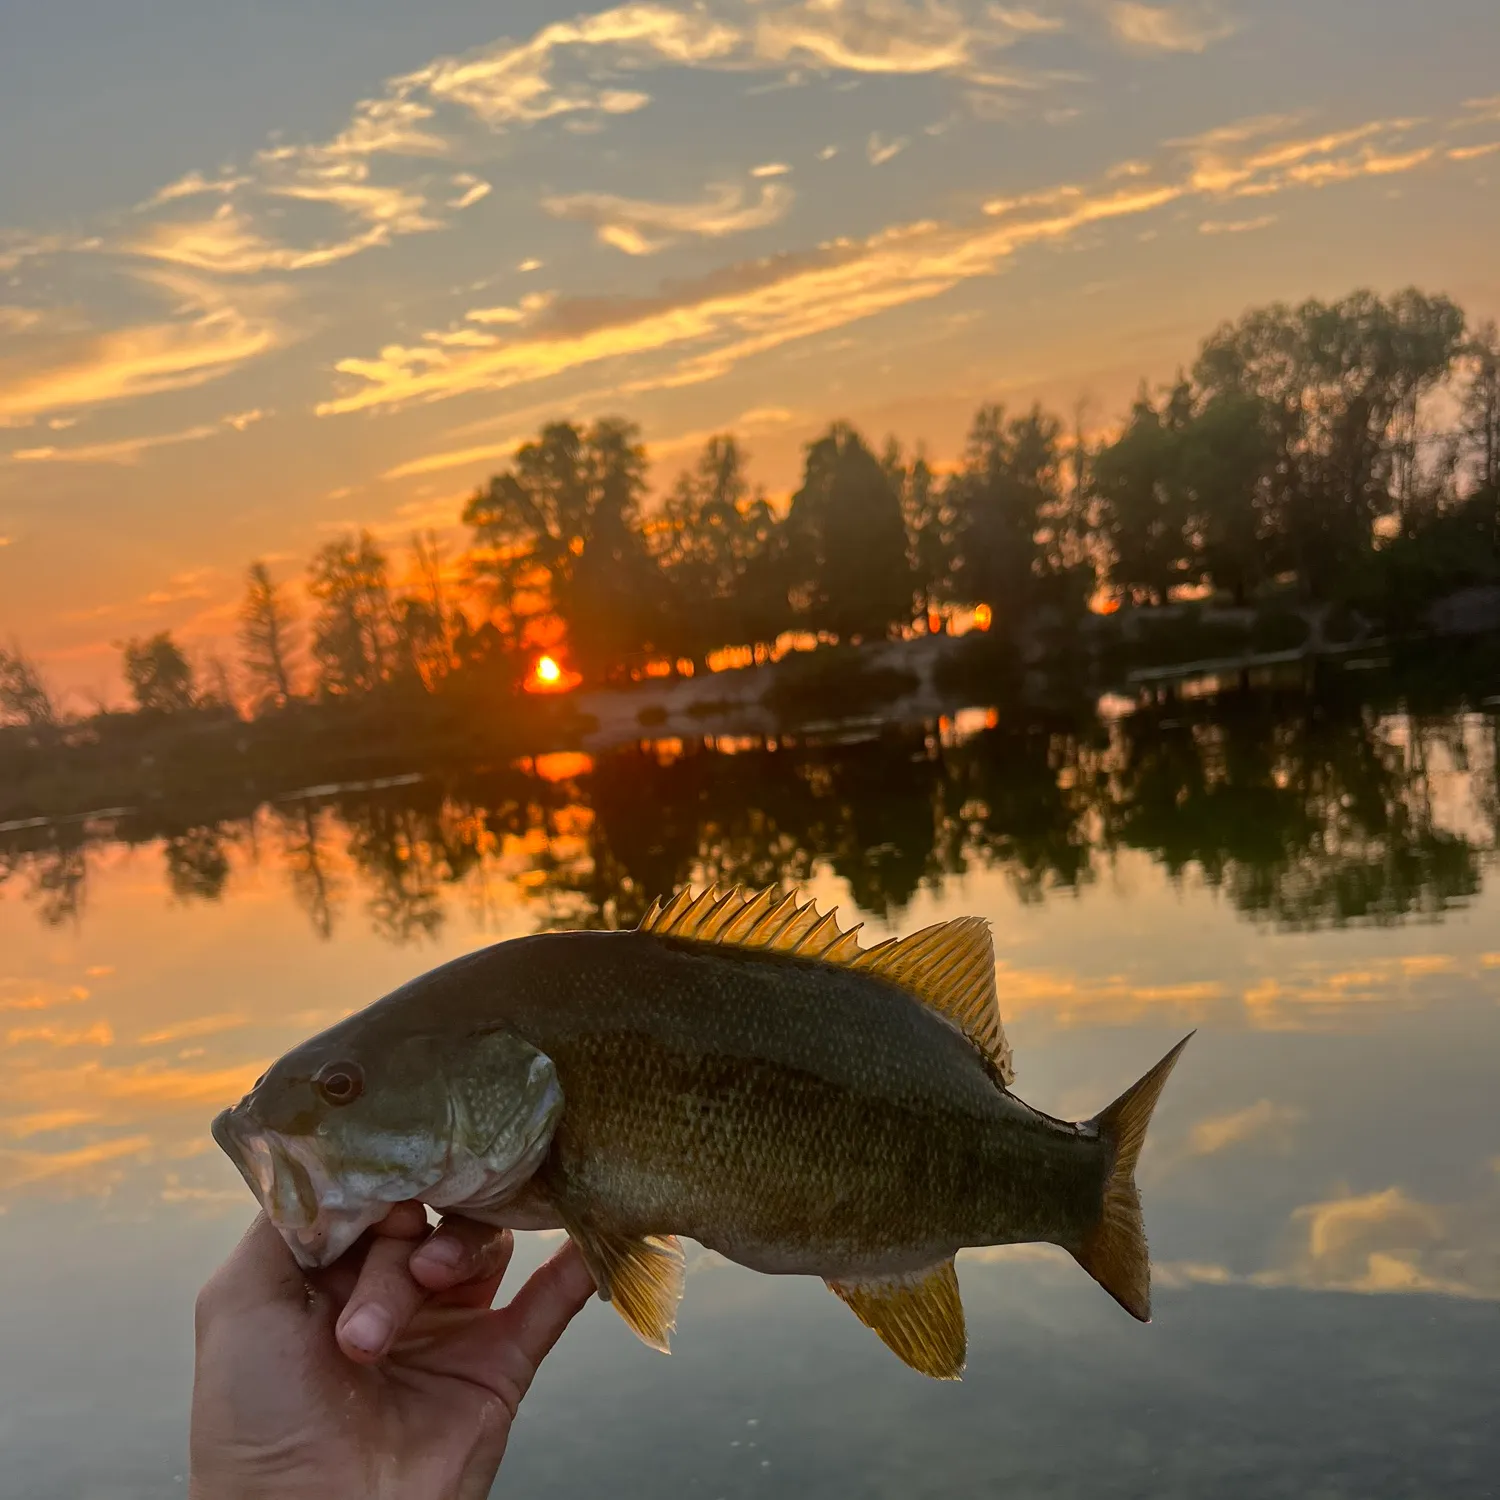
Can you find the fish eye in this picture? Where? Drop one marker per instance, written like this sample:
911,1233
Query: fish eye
339,1082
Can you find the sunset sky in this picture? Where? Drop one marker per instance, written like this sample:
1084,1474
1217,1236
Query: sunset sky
269,271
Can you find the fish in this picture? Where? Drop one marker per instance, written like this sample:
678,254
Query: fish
738,1070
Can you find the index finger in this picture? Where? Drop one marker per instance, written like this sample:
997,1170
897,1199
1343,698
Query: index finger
554,1294
503,1349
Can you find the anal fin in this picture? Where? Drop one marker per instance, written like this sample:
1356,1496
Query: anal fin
643,1276
919,1317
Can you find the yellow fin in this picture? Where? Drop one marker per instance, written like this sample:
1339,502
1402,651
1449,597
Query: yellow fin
642,1277
759,920
949,967
919,1317
1114,1251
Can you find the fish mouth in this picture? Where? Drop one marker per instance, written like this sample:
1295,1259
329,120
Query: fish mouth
301,1198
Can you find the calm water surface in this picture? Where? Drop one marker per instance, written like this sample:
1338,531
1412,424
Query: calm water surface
1322,1183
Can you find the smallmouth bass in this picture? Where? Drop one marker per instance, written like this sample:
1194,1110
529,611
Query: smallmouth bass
737,1070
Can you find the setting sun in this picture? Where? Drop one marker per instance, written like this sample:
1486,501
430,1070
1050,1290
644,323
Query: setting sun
549,675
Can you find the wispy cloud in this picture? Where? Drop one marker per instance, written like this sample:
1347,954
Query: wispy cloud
868,37
568,71
513,84
749,309
132,450
23,1169
227,243
878,150
1236,226
639,227
1263,1120
1168,28
100,1034
61,364
470,190
199,1026
43,1122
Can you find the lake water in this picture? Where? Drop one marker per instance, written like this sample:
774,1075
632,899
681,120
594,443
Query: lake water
1313,889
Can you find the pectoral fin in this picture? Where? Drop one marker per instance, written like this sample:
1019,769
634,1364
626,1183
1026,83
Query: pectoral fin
643,1277
919,1317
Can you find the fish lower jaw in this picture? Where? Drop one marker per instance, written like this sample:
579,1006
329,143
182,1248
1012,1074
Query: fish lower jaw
317,1245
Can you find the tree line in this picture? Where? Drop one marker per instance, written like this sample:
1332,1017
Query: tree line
1344,451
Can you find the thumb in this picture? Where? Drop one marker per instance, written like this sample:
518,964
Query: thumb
259,1270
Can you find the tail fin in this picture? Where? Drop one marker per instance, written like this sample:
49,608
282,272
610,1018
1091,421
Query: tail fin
1114,1251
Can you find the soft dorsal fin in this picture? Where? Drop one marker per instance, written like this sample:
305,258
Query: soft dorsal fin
949,967
920,1318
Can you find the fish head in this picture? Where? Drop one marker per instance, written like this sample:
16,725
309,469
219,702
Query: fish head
357,1119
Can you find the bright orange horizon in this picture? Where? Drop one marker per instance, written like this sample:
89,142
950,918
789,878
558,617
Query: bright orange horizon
232,324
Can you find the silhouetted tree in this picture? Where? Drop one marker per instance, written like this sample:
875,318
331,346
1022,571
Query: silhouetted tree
267,625
1342,384
1226,452
160,678
353,632
1144,507
558,538
1480,424
846,542
1006,494
427,621
927,510
24,695
714,541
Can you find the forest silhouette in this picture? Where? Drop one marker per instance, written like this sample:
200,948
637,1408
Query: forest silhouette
1340,455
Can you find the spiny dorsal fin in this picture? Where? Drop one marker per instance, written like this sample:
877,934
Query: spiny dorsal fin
949,967
642,1277
919,1317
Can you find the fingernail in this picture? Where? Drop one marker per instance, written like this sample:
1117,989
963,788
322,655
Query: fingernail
368,1329
442,1254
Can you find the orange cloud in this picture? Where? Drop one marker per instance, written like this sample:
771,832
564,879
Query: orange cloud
868,38
1263,1119
100,1034
131,450
19,1127
639,227
197,1027
1168,28
20,1169
60,366
1236,226
750,309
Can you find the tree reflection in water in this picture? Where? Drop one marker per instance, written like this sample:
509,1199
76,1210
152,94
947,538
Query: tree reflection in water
1303,816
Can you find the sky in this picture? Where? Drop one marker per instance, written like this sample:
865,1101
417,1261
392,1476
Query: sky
270,272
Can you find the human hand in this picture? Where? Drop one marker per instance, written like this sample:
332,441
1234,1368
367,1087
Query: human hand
385,1375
